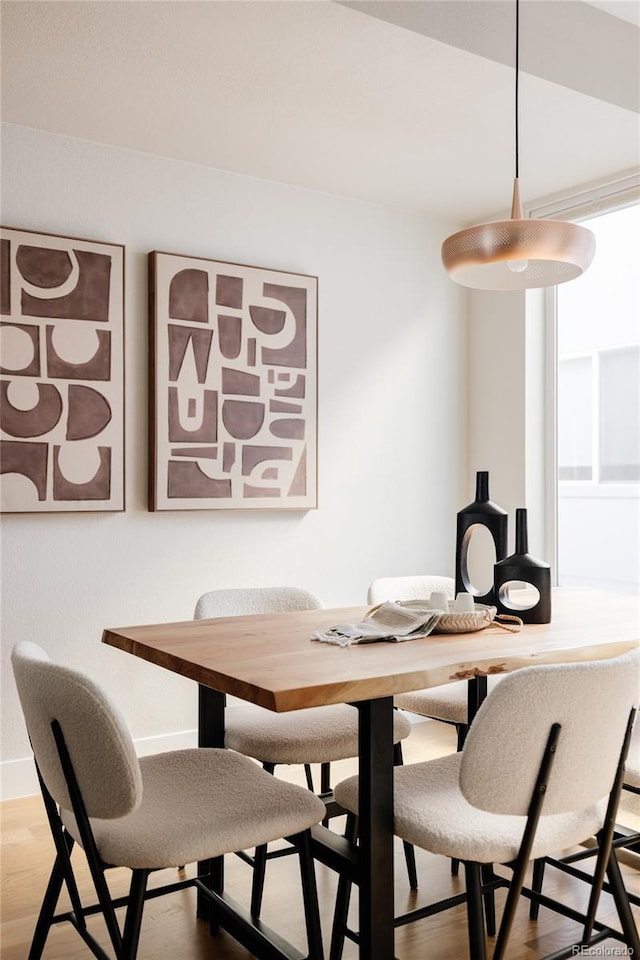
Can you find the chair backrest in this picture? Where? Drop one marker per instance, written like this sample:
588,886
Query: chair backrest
96,736
241,601
502,753
409,588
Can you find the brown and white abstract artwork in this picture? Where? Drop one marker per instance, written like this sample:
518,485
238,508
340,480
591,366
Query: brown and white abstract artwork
233,386
61,374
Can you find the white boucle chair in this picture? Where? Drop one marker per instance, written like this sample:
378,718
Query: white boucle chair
624,838
449,702
148,814
301,737
541,770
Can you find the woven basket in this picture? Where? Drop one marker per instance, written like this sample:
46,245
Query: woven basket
452,622
466,622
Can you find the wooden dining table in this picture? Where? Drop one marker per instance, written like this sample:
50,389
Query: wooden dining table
272,661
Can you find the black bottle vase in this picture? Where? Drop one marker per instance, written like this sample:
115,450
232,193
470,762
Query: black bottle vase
522,566
487,514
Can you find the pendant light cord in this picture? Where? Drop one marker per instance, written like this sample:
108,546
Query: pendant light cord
517,83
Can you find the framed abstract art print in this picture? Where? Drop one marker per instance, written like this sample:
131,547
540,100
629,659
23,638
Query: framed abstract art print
233,386
61,373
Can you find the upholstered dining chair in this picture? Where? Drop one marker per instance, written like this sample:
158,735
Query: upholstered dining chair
302,737
552,782
449,702
160,811
624,838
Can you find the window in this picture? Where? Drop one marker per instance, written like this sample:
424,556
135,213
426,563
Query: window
599,417
619,416
598,411
575,420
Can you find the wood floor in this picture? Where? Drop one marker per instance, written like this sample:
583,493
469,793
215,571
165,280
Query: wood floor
170,929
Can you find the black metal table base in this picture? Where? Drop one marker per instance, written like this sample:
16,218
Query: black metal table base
371,864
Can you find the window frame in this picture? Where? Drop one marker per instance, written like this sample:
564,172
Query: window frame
600,198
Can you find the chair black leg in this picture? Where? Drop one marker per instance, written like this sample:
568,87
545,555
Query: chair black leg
62,872
310,897
489,897
216,882
526,845
604,849
536,885
309,776
409,852
260,859
64,845
621,901
475,915
509,912
47,910
325,777
96,866
325,785
257,886
410,860
133,919
342,898
104,899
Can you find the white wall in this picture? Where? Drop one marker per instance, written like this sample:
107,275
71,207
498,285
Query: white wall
507,409
392,419
599,536
497,386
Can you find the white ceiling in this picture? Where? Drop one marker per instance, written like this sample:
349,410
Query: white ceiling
406,102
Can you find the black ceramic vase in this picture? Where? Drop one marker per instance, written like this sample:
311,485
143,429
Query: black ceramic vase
486,514
522,566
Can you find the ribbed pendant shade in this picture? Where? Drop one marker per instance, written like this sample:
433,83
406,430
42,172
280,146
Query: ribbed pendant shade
519,253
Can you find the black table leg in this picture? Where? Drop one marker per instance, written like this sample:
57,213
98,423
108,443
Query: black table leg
376,828
211,705
476,693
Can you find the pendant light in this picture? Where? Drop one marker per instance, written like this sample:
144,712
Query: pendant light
519,253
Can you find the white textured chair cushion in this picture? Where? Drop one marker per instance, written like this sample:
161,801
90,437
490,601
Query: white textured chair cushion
591,701
446,702
95,733
315,735
431,813
198,804
244,601
409,588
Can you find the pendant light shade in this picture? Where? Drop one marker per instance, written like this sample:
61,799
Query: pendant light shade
519,253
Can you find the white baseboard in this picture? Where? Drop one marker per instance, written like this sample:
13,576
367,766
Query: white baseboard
18,777
145,746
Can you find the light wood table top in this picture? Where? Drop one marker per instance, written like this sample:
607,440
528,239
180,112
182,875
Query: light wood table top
271,660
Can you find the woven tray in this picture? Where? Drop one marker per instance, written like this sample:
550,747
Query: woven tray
483,616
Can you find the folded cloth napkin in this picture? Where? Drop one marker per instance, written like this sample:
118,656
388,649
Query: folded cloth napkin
389,621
